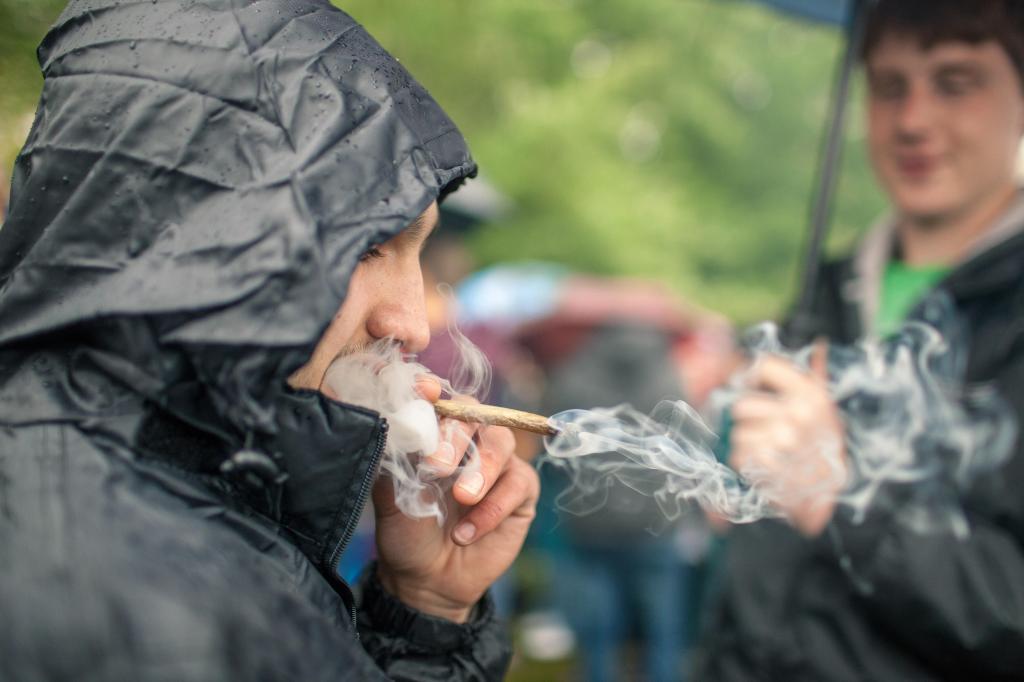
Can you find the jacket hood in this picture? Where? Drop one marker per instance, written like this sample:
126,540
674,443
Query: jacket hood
196,190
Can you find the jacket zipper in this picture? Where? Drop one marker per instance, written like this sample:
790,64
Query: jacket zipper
364,492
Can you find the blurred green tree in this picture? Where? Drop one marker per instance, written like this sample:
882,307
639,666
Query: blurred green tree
670,139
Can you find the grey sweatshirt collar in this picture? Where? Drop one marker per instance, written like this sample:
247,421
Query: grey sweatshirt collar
876,249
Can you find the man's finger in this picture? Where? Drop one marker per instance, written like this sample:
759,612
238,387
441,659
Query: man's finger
428,387
757,407
515,492
496,446
777,375
819,360
748,461
760,445
455,439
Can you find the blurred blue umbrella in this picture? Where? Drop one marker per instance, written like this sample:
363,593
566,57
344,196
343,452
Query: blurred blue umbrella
827,11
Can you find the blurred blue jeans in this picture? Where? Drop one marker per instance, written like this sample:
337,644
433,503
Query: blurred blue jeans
602,590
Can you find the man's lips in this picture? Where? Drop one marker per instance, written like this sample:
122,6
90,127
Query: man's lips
917,166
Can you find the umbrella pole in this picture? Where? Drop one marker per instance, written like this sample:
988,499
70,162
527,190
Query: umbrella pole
802,324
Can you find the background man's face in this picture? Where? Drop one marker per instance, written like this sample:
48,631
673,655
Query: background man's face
385,299
944,124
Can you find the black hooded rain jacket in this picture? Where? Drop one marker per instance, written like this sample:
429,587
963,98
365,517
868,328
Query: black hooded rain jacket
199,183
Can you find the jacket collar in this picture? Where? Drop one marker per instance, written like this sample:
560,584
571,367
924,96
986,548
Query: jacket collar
876,250
311,477
330,453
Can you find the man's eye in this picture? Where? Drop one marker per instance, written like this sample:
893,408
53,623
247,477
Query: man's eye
953,85
888,89
371,252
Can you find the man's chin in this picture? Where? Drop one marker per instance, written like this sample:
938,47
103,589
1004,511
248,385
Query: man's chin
926,209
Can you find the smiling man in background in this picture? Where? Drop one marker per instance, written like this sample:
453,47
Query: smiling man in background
824,598
215,201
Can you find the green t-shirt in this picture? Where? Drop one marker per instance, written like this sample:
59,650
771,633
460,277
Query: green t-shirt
903,287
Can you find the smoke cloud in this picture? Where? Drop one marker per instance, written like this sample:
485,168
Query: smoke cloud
381,378
915,439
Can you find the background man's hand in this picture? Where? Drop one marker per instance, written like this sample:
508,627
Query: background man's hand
443,571
788,439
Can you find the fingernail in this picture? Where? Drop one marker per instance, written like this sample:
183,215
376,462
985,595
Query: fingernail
472,483
445,454
465,532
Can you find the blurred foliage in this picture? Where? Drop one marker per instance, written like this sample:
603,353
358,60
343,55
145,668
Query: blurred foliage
671,139
22,25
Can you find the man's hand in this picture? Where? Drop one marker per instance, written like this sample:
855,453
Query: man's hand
443,571
788,439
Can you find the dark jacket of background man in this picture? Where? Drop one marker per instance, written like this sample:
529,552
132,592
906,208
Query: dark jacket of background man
889,599
907,606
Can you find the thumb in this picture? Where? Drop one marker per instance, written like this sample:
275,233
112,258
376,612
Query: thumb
819,360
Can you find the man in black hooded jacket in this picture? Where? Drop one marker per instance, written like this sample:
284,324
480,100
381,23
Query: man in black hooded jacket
217,199
829,596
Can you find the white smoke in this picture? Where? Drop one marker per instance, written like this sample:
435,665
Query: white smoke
383,379
668,455
471,371
915,439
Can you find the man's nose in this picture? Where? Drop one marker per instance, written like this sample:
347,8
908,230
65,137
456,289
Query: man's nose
402,317
916,113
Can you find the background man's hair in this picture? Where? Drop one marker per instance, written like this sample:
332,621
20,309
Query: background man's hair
939,21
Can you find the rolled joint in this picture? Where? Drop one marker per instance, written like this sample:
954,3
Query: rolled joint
493,415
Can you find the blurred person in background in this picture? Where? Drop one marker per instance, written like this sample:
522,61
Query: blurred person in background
822,597
216,201
584,331
620,569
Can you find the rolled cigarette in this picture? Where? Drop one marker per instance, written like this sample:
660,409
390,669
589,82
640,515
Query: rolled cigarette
495,416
